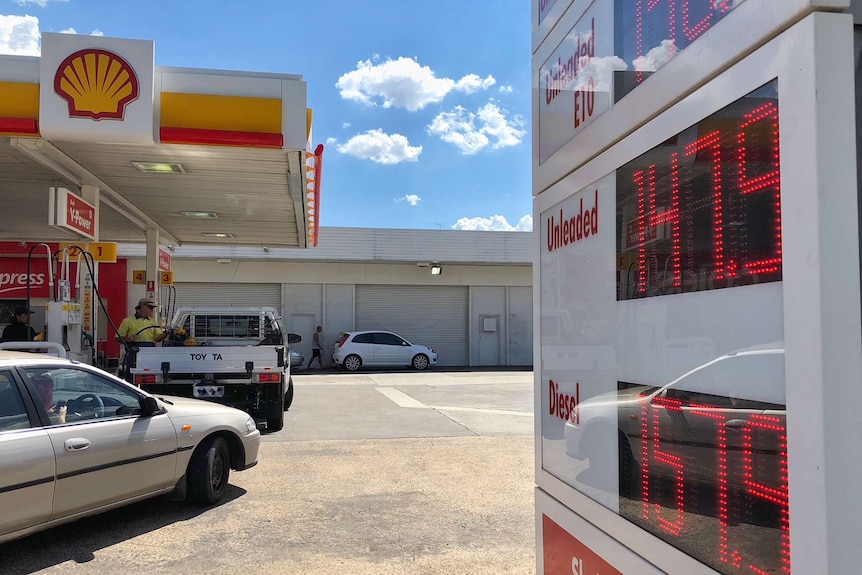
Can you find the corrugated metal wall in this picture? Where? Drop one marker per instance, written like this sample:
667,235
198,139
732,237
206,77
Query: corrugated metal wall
435,316
226,294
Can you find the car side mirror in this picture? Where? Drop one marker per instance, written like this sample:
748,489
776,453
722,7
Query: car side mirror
149,406
293,338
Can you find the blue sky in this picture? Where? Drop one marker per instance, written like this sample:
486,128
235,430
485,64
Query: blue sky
424,107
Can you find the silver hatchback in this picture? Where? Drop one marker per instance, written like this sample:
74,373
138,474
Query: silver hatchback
75,441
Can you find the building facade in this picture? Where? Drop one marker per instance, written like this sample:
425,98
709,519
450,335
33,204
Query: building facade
476,312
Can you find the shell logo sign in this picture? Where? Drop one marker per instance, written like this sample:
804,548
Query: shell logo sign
96,84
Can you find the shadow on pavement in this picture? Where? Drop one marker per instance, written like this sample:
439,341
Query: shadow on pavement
435,369
78,541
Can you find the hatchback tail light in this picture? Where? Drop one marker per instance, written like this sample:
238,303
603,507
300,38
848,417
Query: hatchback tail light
344,339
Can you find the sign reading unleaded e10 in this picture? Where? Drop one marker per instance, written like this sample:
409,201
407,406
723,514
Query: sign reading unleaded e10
613,47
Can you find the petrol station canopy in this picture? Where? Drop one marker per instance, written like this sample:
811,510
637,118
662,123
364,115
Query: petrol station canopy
200,156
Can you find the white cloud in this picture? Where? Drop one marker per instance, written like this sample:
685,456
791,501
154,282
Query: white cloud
377,146
331,141
345,125
472,132
411,199
403,83
95,32
494,224
41,3
19,35
655,58
506,89
472,83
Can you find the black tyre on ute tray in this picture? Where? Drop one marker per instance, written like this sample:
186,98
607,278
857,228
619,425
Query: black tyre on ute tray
209,471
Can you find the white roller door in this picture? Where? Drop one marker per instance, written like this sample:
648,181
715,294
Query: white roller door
435,316
226,294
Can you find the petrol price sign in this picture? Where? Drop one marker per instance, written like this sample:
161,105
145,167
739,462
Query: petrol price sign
699,331
663,394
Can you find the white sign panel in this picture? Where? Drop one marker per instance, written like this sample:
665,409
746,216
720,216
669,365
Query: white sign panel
71,212
96,89
579,356
544,8
576,81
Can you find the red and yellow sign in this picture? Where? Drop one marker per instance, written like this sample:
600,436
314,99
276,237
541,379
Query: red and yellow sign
221,120
19,108
96,84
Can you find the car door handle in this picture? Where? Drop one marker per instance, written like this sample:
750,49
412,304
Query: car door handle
735,423
77,444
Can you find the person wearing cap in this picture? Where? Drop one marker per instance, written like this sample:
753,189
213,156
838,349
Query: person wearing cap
142,329
19,329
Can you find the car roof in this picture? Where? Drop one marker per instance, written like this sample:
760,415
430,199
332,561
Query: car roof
8,358
370,331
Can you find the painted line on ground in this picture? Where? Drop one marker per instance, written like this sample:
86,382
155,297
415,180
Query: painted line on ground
401,399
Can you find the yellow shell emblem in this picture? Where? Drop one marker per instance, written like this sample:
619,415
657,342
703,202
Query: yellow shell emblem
96,84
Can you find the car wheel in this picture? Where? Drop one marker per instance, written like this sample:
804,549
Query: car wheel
275,422
352,362
288,396
420,361
209,471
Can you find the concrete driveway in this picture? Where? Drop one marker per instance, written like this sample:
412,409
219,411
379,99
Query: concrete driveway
374,473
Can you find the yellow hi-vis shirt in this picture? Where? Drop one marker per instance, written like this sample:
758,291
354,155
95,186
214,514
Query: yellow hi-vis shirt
132,325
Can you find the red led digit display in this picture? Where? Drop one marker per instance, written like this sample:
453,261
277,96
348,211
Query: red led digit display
711,479
702,465
650,32
702,211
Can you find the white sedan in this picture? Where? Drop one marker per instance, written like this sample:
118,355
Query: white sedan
75,441
380,348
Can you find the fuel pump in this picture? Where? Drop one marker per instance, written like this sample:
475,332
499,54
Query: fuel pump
64,316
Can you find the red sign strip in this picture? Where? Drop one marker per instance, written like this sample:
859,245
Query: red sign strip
220,138
565,555
19,126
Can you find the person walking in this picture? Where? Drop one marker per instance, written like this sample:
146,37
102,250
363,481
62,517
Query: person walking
316,348
19,329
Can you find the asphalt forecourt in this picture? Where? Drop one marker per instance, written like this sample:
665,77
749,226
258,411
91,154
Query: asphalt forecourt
437,478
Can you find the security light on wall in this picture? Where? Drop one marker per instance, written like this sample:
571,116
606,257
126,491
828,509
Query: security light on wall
436,269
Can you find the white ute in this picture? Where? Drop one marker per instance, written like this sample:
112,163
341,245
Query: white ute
235,356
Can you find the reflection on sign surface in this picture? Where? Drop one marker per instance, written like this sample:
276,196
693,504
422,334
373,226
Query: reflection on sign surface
651,32
704,466
702,211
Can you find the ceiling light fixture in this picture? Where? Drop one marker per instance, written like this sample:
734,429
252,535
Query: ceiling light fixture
218,235
201,215
160,167
223,260
436,270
